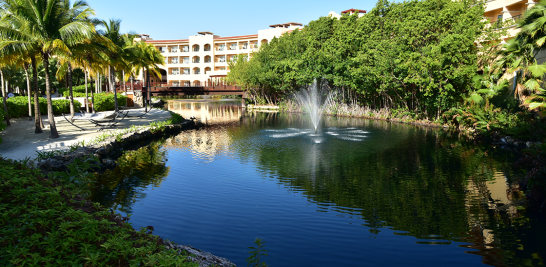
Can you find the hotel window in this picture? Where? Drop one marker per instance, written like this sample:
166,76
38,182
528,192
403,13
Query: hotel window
221,47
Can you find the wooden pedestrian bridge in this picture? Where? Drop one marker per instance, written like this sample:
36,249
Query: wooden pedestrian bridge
208,88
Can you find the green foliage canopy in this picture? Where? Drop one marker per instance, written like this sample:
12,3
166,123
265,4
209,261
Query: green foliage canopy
419,55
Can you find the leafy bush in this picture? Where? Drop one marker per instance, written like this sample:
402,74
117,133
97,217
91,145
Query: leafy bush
488,120
105,101
46,221
77,91
18,106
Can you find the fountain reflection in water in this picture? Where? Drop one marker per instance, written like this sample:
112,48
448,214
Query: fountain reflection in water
314,100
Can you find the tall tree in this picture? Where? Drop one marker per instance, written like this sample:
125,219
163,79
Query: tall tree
117,54
47,27
146,57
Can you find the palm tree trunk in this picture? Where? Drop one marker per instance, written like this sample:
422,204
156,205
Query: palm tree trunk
86,95
93,97
147,90
53,129
25,66
37,114
4,98
113,87
70,93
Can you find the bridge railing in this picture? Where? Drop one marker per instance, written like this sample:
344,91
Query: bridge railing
192,84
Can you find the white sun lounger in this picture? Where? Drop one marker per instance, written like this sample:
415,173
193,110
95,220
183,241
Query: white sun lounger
100,119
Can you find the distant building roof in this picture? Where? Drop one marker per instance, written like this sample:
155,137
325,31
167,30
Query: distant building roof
352,10
293,23
205,33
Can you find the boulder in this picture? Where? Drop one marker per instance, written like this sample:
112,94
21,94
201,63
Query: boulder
201,257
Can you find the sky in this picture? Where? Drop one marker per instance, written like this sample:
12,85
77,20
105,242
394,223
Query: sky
178,19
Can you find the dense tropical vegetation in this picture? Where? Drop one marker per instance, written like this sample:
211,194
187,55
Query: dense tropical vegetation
426,57
420,60
43,43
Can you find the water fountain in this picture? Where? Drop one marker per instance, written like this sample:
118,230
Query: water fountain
315,99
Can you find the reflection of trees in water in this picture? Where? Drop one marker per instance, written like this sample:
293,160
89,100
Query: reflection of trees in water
419,182
121,187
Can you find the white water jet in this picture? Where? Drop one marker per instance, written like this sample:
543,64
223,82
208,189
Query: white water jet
315,99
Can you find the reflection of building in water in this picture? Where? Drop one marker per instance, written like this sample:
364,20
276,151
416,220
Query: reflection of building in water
208,112
490,197
204,144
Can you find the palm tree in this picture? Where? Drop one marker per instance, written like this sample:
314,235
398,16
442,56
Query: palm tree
48,27
116,54
145,57
520,54
89,56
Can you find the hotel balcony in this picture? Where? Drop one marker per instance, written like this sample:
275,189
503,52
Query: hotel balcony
173,51
173,62
220,48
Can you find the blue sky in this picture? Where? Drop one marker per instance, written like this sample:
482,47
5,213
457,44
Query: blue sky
178,19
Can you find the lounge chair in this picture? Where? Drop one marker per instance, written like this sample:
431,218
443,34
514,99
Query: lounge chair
100,119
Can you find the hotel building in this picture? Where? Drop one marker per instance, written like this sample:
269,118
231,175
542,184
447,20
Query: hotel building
203,58
507,10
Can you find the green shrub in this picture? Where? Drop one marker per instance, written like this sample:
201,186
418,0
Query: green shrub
489,120
77,91
105,101
47,221
18,106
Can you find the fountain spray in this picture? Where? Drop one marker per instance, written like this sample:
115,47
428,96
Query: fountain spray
312,98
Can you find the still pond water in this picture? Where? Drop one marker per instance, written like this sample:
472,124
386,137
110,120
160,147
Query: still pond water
357,193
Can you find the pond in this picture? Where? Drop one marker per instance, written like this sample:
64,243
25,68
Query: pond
357,193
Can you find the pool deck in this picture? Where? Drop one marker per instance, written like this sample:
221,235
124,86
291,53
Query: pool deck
20,141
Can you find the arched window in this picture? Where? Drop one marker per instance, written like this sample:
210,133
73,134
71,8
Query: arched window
207,69
196,59
195,48
264,41
196,71
207,59
207,47
196,83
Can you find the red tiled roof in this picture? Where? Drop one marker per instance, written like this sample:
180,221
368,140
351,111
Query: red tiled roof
233,37
353,10
166,41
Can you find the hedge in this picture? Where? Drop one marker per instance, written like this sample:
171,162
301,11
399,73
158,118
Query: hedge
18,106
105,101
80,89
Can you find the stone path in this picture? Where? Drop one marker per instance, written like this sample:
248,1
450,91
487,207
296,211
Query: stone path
20,141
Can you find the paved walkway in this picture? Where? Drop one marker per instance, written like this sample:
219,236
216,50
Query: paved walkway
20,141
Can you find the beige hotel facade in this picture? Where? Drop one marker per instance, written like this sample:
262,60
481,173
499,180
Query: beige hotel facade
203,58
507,10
